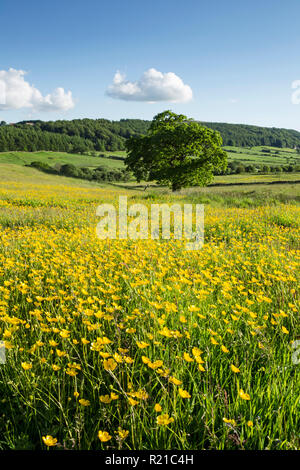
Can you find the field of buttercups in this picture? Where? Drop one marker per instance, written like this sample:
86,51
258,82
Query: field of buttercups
121,344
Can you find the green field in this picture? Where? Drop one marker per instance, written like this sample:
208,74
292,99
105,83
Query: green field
14,167
257,155
246,156
224,195
53,158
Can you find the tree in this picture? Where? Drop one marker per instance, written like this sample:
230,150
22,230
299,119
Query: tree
70,170
176,151
250,169
240,169
266,169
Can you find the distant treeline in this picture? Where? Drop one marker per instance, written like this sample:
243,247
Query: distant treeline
244,135
237,167
83,135
77,136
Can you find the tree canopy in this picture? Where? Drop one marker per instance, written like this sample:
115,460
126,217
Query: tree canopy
176,151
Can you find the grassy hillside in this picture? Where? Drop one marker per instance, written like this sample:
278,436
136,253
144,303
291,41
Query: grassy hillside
10,173
263,155
53,158
234,189
14,176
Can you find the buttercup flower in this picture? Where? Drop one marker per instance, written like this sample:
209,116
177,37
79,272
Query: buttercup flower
184,393
164,420
49,441
244,395
104,436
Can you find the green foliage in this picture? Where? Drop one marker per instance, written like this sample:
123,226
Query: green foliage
100,174
43,166
244,135
46,168
31,139
76,136
240,169
69,170
176,151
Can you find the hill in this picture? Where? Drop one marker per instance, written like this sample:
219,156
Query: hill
82,135
244,135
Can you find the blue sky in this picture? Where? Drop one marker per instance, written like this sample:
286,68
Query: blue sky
239,58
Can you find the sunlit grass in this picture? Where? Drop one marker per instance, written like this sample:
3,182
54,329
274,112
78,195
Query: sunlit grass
102,335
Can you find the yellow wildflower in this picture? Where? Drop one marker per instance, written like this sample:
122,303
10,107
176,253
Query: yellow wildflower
187,357
114,396
132,401
109,364
71,372
84,402
104,436
229,421
122,433
164,420
105,398
175,381
244,395
142,344
184,393
49,441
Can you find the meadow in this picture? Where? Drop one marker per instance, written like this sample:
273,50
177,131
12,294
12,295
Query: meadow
265,155
121,344
61,158
261,155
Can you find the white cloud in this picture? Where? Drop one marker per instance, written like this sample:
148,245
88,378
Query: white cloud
17,93
152,86
296,94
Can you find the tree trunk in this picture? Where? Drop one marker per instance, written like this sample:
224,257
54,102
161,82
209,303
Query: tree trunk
175,187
